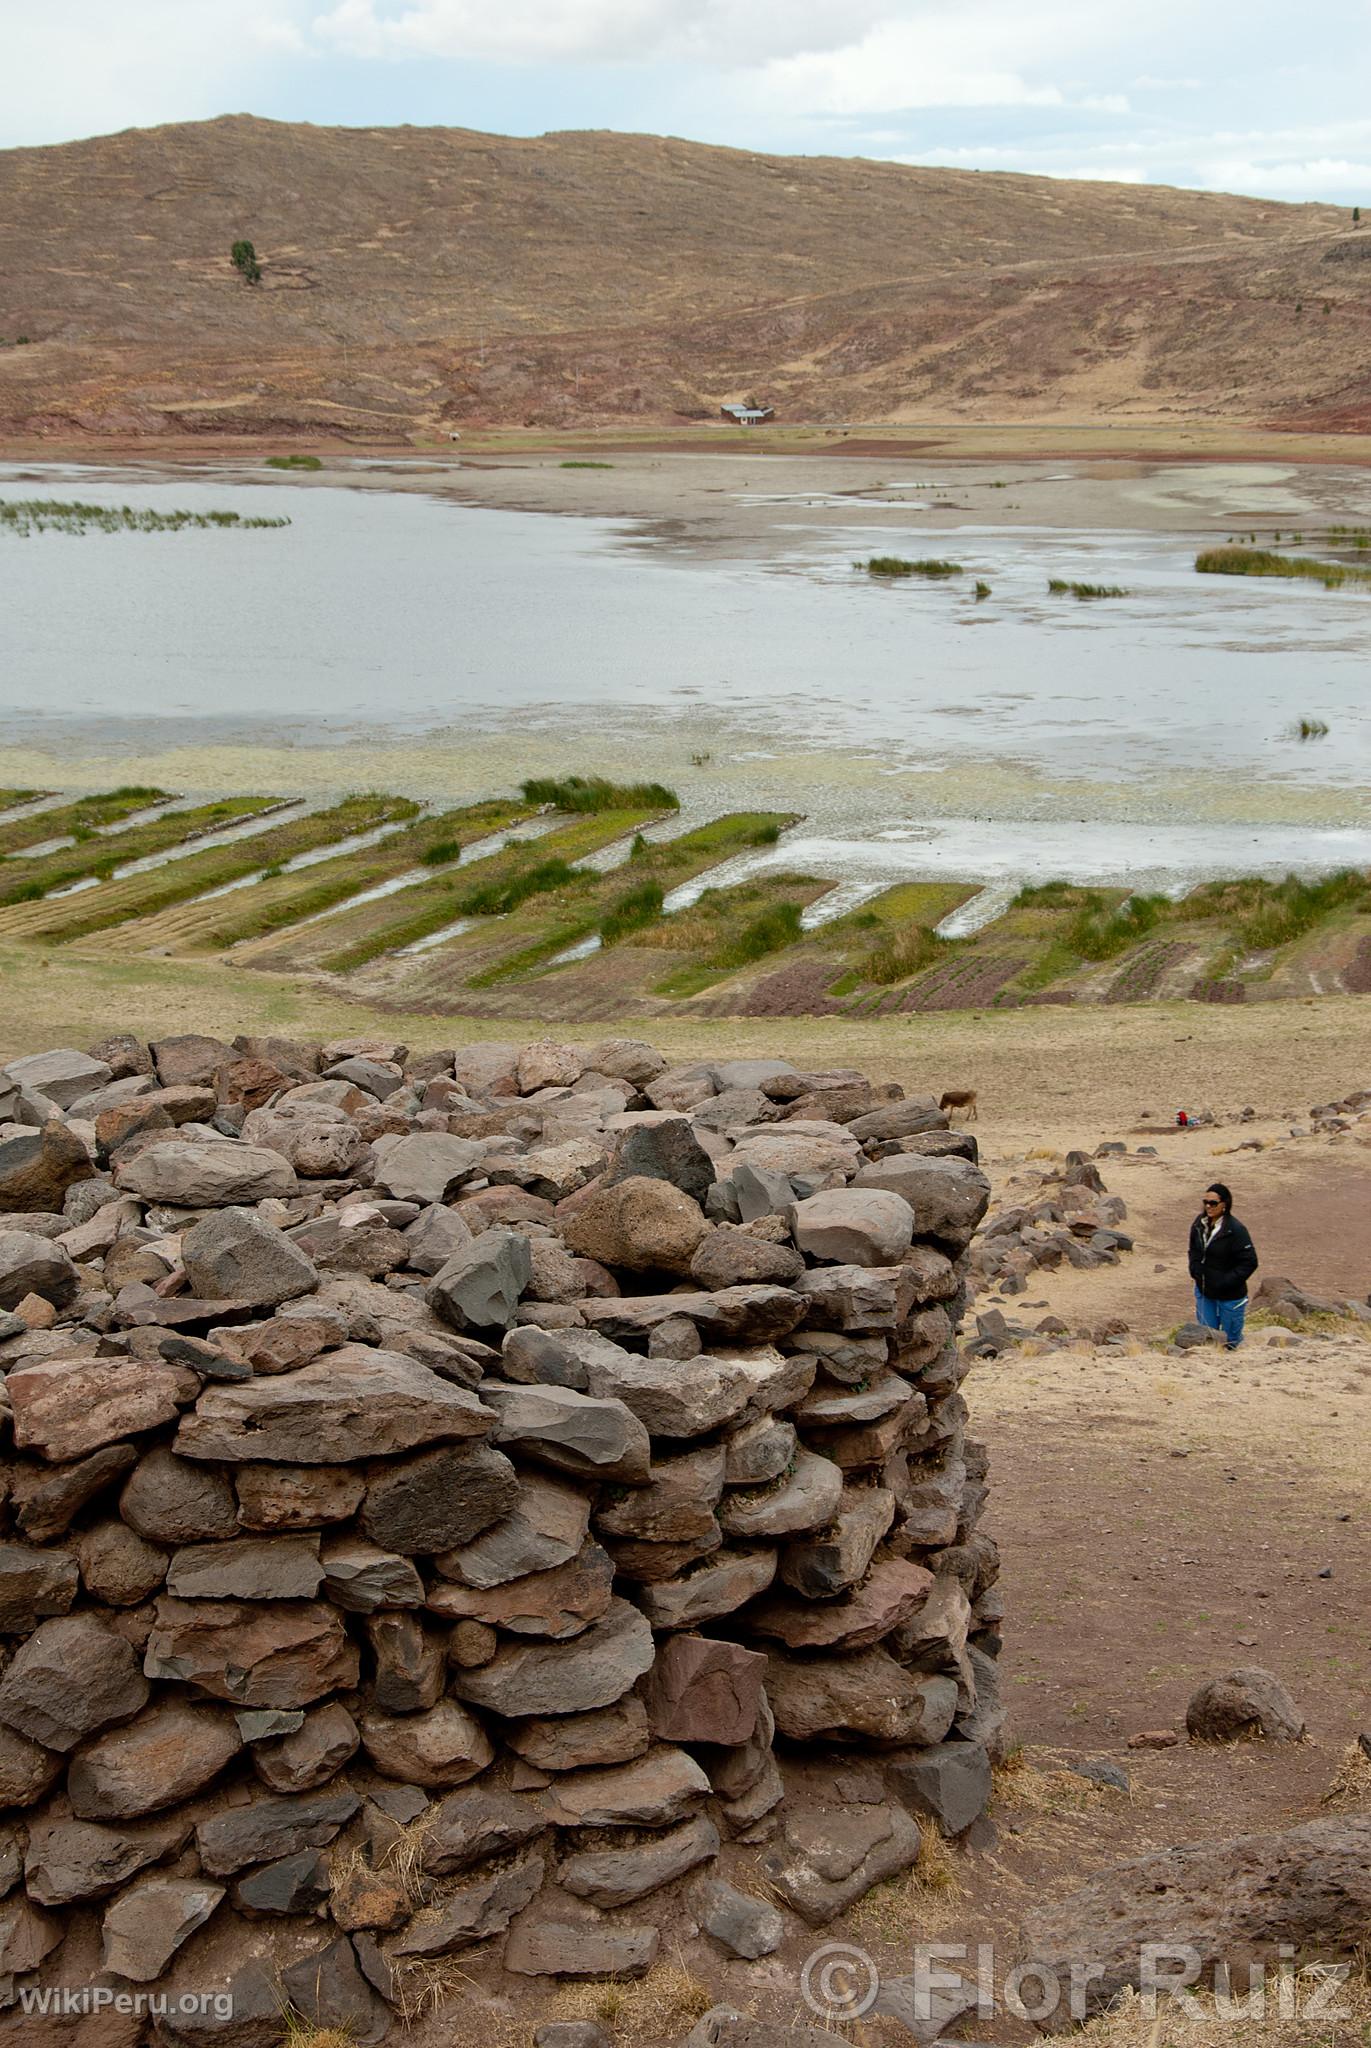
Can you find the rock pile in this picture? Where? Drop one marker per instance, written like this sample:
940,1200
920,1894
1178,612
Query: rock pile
449,1492
1072,1218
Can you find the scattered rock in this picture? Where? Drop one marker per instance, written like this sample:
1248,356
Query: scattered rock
1244,1704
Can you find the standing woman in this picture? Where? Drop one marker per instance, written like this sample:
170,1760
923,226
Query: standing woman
1223,1259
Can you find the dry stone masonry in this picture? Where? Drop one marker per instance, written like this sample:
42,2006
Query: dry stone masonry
482,1500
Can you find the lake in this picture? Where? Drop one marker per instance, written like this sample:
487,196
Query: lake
402,639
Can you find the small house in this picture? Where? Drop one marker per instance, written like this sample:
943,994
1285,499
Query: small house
747,415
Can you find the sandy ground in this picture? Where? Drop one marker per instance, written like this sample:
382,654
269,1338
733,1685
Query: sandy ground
1046,1075
726,500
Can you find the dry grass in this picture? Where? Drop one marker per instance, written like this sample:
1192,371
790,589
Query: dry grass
1033,1781
918,1904
300,2033
425,1984
403,1855
1350,1788
658,2007
1128,2024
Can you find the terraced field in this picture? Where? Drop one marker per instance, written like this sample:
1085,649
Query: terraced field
576,901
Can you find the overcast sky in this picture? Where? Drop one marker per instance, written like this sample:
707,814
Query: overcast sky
1234,97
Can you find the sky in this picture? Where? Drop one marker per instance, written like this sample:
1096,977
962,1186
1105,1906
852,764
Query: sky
1207,93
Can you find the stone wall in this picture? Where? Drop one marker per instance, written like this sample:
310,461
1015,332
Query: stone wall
451,1498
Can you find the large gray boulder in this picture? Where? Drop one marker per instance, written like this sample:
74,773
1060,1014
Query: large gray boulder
1243,1704
480,1286
425,1167
209,1173
536,1678
71,1677
854,1226
63,1076
234,1256
1231,1902
572,1431
948,1196
34,1265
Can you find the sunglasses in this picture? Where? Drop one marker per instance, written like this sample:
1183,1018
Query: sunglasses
1207,1202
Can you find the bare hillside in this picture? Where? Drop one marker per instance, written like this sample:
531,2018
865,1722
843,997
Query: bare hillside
415,278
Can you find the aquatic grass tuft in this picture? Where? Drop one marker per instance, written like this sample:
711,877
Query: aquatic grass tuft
595,793
904,953
25,516
778,926
496,899
294,462
586,465
896,565
1309,729
1247,561
1059,587
638,907
1056,896
1100,935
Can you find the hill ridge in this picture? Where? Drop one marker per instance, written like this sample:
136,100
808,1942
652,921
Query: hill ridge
417,278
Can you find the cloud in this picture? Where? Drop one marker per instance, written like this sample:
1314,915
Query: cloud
1313,178
718,32
84,67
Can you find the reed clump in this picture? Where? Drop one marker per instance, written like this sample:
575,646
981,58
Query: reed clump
1248,561
25,516
636,908
595,793
1060,586
496,899
896,565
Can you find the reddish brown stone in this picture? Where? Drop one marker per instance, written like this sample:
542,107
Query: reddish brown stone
253,1653
889,1594
68,1407
704,1691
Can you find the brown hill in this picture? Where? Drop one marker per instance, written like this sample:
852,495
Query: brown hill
418,278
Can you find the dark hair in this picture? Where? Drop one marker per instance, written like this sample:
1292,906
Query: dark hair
1225,1195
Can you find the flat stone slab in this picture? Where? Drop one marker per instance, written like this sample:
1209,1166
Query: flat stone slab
323,1413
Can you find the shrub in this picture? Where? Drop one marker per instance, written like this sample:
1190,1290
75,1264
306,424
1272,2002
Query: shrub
1293,906
776,927
1099,936
244,260
441,852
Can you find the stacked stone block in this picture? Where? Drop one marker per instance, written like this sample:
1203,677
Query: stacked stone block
452,1499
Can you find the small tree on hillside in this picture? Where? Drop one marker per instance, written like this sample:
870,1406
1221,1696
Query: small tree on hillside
244,258
1356,216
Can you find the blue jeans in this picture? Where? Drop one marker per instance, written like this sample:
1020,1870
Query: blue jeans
1227,1316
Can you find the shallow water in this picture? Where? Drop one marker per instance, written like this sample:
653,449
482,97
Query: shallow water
433,646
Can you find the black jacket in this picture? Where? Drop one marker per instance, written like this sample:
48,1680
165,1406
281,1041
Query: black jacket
1222,1268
